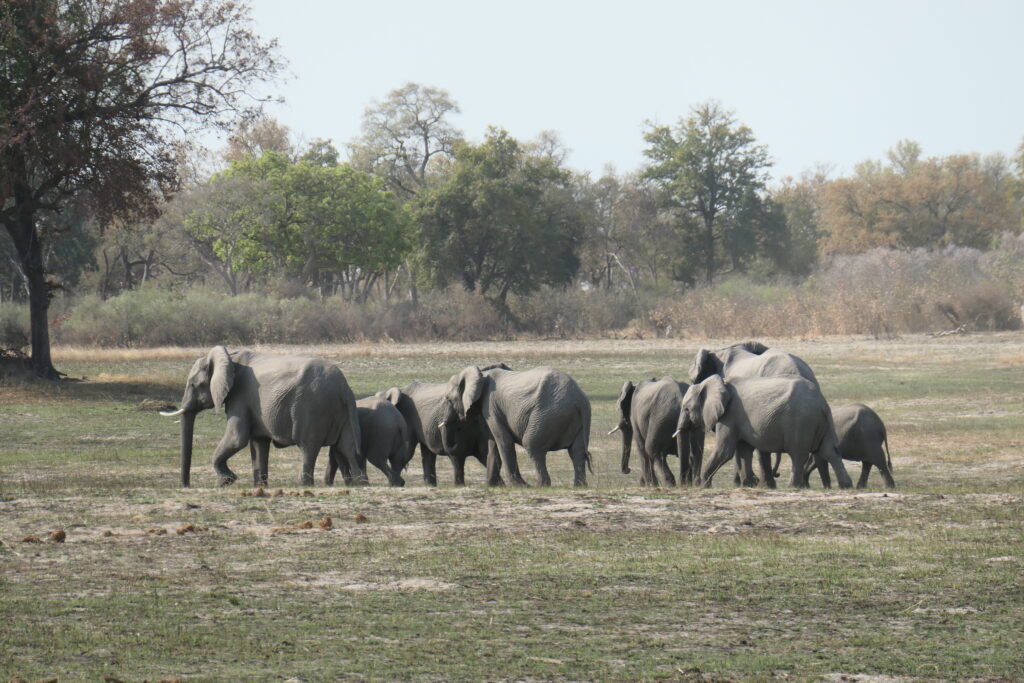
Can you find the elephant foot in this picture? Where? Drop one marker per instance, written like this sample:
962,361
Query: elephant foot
626,470
227,479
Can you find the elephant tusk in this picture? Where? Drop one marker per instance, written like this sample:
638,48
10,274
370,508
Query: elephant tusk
440,425
617,428
676,433
172,413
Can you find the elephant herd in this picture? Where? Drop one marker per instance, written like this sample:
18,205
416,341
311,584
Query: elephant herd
757,400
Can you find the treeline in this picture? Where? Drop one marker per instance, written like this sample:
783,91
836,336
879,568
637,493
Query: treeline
421,233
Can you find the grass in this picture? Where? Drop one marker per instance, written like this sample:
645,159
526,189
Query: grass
609,583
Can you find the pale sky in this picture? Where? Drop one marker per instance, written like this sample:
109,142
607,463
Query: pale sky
817,81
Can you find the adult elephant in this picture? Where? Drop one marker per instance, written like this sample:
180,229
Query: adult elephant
861,436
542,410
754,359
267,398
384,441
771,414
438,431
648,413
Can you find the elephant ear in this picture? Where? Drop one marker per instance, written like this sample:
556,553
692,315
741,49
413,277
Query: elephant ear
716,398
393,395
469,386
698,367
222,375
625,400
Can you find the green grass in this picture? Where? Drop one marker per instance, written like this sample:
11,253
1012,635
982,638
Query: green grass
610,583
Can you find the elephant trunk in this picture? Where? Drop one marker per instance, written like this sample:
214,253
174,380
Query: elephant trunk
626,430
188,421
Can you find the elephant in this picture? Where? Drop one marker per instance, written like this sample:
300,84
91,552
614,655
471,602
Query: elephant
770,414
384,441
438,432
287,400
541,409
754,359
861,435
648,413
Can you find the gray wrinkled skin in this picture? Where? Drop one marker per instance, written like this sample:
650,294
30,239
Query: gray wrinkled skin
542,410
267,398
648,413
770,414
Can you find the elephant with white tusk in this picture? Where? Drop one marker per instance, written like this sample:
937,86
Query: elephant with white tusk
648,413
754,359
770,414
267,398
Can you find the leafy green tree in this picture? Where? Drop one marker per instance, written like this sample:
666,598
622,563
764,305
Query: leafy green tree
707,165
323,226
503,220
95,95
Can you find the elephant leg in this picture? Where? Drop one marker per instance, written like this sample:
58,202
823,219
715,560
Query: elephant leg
459,467
429,466
578,455
816,463
492,462
865,470
540,463
723,452
235,438
830,453
764,460
337,462
505,449
309,456
661,462
745,464
883,469
799,476
649,477
259,450
696,455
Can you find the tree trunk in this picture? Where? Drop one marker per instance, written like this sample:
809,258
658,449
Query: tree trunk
709,247
25,236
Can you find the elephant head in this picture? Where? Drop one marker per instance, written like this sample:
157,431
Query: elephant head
208,385
705,364
465,389
625,403
704,405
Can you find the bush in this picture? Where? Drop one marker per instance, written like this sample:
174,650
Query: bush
14,326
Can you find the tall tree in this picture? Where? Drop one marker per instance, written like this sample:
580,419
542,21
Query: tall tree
407,137
707,164
503,220
94,96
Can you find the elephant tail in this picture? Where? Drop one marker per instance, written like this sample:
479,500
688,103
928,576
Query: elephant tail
888,456
775,467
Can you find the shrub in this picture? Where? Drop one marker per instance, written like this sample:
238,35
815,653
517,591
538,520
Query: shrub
14,326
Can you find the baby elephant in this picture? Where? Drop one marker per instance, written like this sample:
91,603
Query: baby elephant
384,441
861,435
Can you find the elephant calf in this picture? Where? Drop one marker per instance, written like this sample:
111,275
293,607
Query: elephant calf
861,434
384,442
